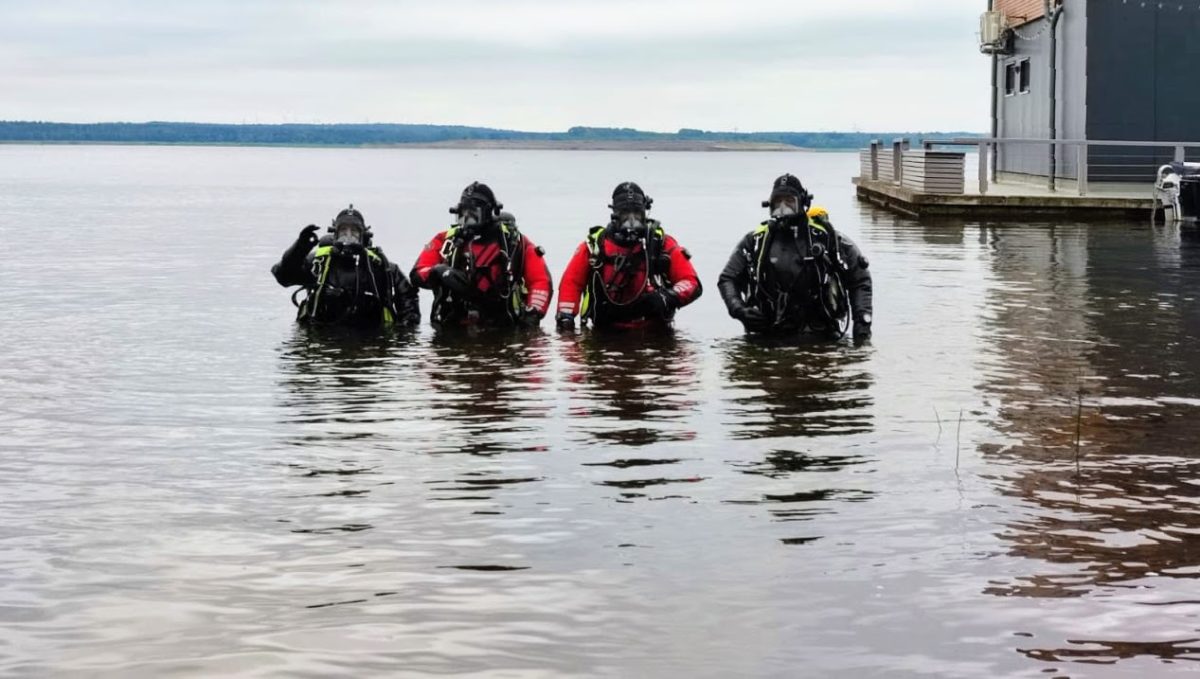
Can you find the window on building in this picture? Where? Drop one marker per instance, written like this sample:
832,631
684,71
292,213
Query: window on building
1024,73
1010,79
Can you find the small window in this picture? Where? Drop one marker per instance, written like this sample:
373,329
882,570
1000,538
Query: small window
1010,79
1024,75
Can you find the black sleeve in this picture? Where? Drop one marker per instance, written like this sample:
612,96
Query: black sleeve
295,267
404,296
858,278
735,278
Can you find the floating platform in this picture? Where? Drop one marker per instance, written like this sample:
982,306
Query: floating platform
1014,200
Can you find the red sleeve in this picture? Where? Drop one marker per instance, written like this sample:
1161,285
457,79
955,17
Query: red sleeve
574,280
430,257
684,281
537,279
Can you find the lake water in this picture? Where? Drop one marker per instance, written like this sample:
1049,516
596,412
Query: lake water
1004,483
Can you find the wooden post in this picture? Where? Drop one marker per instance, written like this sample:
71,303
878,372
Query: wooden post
983,168
1081,168
875,160
1180,154
897,161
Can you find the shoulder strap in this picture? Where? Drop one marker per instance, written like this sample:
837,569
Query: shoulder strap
758,252
595,245
514,244
655,229
321,261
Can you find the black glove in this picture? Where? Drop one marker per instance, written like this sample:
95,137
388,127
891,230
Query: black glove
658,304
308,235
748,314
454,280
530,318
295,254
564,321
752,318
411,320
862,331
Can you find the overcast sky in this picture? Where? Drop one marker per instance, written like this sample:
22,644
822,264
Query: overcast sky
751,65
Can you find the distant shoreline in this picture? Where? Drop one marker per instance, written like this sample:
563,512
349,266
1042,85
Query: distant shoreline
423,136
478,144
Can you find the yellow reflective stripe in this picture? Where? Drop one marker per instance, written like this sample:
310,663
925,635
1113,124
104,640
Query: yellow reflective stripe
322,252
813,223
593,239
761,244
388,318
585,302
326,250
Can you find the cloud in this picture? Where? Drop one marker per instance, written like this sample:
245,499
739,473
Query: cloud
530,64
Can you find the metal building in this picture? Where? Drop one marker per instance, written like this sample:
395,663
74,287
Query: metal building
1123,70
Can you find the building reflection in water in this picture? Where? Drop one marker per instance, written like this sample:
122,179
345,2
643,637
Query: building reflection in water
1102,315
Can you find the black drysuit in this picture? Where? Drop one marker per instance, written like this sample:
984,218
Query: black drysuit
771,275
351,286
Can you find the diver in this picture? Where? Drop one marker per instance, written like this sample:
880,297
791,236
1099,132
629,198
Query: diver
346,279
628,274
482,270
795,274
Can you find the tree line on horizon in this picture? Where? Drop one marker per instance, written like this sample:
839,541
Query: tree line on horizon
368,134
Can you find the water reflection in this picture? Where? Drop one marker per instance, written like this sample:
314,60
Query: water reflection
339,408
353,403
488,391
633,388
337,379
779,464
790,396
476,486
1089,351
775,389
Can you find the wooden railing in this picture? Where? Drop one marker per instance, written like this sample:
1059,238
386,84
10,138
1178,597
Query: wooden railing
1122,163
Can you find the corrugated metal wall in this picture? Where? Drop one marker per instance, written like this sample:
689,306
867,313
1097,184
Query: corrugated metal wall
1127,71
1021,11
1142,84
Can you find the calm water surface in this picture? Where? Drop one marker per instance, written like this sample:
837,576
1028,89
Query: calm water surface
1003,484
